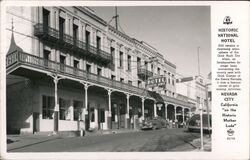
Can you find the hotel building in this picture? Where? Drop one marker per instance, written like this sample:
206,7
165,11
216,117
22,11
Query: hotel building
68,69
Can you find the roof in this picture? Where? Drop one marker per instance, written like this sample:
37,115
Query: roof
13,46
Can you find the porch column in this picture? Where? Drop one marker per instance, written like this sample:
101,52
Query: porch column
142,103
56,79
166,110
183,116
127,113
189,113
96,117
109,114
71,109
175,119
155,114
85,110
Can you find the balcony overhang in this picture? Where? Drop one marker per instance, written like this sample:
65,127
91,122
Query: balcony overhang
20,62
144,73
67,43
30,66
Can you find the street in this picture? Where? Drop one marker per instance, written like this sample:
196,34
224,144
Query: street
142,141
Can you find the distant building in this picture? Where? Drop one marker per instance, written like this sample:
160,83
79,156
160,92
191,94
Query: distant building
196,88
67,70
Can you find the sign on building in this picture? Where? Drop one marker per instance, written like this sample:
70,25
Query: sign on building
185,79
156,81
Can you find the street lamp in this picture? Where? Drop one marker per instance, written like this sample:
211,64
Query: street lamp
201,126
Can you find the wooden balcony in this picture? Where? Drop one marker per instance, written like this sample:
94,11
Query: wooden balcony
144,74
67,43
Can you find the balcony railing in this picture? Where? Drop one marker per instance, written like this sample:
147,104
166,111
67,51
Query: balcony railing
41,63
144,73
67,42
22,58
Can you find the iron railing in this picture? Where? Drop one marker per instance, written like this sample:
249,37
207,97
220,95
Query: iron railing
41,63
43,31
144,72
22,58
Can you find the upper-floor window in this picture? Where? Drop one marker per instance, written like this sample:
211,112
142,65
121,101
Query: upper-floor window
121,59
198,100
87,39
168,78
201,80
99,71
146,65
75,33
173,80
139,84
113,77
46,18
138,62
46,54
152,67
112,51
62,62
88,67
159,70
61,27
122,80
76,63
129,63
98,43
62,59
130,82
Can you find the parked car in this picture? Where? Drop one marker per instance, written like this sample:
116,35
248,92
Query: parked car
193,124
155,123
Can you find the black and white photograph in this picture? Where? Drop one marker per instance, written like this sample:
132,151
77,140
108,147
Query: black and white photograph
119,80
108,79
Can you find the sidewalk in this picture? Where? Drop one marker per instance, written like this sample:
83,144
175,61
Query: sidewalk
23,140
206,144
20,141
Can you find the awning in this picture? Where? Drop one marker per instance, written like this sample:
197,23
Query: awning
156,96
178,101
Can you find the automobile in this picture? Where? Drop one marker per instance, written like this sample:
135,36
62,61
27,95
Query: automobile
155,123
193,124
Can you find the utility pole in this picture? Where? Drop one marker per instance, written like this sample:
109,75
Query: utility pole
208,114
201,126
198,49
116,18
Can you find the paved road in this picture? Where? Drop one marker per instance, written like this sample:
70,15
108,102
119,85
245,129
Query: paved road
153,140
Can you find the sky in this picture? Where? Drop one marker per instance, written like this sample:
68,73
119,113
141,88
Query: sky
175,31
